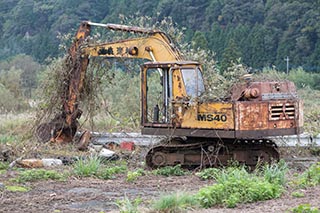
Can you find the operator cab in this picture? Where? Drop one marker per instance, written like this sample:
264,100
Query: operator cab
164,84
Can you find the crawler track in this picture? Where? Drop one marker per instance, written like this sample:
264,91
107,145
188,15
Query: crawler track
213,153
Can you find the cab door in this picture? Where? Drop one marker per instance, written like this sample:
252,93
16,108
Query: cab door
155,94
187,86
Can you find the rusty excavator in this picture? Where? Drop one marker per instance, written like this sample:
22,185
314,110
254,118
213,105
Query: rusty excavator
200,132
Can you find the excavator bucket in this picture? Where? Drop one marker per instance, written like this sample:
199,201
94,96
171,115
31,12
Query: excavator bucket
63,126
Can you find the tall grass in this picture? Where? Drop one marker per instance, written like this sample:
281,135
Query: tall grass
233,185
87,167
128,206
311,177
311,114
274,173
94,166
38,174
133,175
109,173
170,171
16,124
305,208
236,185
177,202
208,173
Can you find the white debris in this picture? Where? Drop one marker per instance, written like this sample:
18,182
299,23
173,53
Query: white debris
48,162
107,153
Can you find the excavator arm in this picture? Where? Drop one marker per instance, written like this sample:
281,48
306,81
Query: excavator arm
152,45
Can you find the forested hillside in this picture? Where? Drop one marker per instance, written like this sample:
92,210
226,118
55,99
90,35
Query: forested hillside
260,32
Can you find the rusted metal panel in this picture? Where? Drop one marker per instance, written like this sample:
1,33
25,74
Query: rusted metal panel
283,115
251,115
279,110
263,91
261,119
259,134
143,96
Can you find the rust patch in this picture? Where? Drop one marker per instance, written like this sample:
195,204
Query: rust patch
258,91
251,115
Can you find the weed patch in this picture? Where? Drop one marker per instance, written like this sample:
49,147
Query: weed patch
315,151
87,167
128,206
17,189
310,177
297,194
274,173
209,173
38,174
170,171
236,185
305,208
3,165
178,202
133,175
109,173
8,139
94,167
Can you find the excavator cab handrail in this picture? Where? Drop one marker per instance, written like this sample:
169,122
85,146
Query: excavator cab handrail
127,28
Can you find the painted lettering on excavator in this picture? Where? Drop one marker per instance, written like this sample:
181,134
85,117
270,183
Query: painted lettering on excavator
110,51
212,117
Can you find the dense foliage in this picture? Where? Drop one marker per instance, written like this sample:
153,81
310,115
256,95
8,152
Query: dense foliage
217,33
261,32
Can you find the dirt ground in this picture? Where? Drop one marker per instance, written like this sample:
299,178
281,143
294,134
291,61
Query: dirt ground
96,195
92,195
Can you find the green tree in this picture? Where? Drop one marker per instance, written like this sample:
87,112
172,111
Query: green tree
231,54
199,41
212,13
265,30
19,75
259,47
217,39
7,102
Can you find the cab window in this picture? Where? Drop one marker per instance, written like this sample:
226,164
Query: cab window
193,81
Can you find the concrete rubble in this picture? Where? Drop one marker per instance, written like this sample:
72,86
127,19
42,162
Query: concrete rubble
39,163
110,145
146,140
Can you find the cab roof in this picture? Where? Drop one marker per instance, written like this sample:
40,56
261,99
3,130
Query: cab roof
170,63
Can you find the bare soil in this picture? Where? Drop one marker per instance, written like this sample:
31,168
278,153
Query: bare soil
96,195
92,194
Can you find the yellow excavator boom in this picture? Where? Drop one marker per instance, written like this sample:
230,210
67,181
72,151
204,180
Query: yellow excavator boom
153,45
